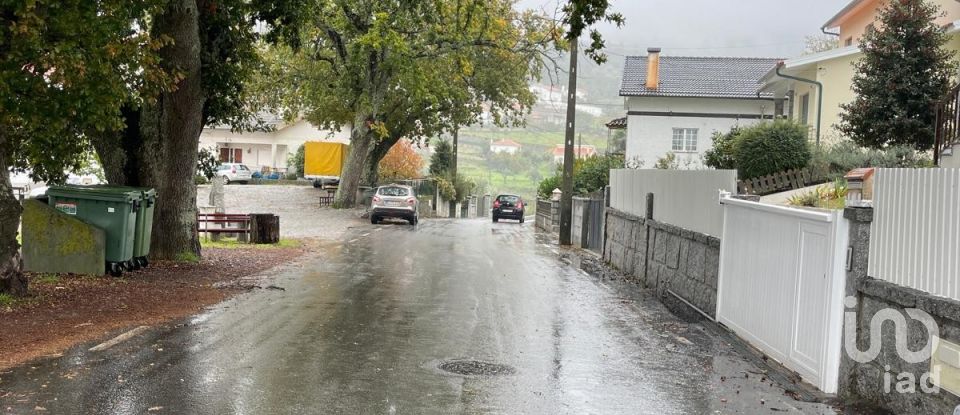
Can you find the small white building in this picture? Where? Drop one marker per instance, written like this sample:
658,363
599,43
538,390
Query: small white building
505,146
266,150
675,103
579,151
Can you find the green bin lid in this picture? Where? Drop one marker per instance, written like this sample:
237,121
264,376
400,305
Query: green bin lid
147,192
95,193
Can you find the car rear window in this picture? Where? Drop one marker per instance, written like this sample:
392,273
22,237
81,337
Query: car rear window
509,199
394,191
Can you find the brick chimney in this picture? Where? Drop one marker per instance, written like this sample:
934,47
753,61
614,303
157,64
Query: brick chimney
653,68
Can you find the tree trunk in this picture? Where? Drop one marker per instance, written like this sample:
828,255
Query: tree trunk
371,170
12,280
171,135
361,141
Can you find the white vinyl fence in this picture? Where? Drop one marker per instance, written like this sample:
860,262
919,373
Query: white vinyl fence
781,284
915,234
684,198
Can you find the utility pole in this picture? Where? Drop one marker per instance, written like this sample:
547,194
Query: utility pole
453,168
566,198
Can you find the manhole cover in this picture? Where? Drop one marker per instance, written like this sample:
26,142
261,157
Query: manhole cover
475,368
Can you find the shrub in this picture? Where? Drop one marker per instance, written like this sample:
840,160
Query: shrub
722,156
297,160
667,162
837,159
198,180
446,189
207,163
828,196
545,189
771,147
291,176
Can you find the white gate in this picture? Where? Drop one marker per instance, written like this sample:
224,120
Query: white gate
782,282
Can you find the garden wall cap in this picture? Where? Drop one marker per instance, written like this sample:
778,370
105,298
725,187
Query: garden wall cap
860,174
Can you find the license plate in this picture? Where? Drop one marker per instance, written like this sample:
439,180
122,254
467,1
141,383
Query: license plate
507,210
393,203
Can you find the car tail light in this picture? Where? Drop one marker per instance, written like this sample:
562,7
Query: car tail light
519,205
496,204
411,201
376,199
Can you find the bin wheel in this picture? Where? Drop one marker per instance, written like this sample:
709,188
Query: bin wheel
143,262
114,269
132,265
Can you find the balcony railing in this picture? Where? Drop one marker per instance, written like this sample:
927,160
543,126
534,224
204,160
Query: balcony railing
947,124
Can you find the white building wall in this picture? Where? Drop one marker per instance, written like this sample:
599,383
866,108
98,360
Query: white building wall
650,137
270,149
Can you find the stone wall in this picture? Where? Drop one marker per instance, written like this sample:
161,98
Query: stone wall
55,242
874,383
548,215
672,260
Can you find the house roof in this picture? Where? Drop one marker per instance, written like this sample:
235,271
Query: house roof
705,77
580,151
505,143
617,123
835,20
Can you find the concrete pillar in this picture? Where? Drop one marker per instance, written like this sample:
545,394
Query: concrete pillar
273,157
858,256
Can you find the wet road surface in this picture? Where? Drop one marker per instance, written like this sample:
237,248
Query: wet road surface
363,326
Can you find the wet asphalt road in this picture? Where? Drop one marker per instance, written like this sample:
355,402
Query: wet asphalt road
362,327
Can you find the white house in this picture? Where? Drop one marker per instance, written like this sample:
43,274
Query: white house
579,151
675,103
266,150
505,146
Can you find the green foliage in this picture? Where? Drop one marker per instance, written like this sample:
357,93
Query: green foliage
771,147
579,15
7,300
446,188
291,176
903,72
506,164
68,68
667,162
296,160
721,155
442,159
199,180
207,163
590,174
548,185
828,196
839,158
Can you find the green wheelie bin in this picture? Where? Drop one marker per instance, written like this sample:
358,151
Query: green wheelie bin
114,211
144,227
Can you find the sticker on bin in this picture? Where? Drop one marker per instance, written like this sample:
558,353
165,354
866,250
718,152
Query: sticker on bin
68,208
111,210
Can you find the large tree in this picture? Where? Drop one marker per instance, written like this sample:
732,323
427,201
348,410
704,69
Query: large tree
394,70
66,68
905,69
211,52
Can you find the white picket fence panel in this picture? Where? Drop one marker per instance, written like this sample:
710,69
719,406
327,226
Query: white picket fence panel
685,198
782,283
915,234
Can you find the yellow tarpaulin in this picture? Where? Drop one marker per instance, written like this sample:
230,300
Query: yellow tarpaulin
323,159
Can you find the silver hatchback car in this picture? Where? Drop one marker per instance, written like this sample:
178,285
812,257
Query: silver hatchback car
394,201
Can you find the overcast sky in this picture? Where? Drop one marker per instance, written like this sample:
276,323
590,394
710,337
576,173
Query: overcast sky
757,28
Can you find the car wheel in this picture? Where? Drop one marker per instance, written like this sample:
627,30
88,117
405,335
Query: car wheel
521,219
374,220
496,219
226,180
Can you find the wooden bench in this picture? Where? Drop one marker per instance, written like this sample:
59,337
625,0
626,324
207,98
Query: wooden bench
224,220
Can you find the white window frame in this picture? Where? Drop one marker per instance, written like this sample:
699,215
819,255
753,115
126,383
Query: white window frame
685,140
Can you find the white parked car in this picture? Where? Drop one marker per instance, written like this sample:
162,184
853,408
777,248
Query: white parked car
234,172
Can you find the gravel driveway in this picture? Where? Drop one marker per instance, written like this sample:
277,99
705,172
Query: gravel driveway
298,207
